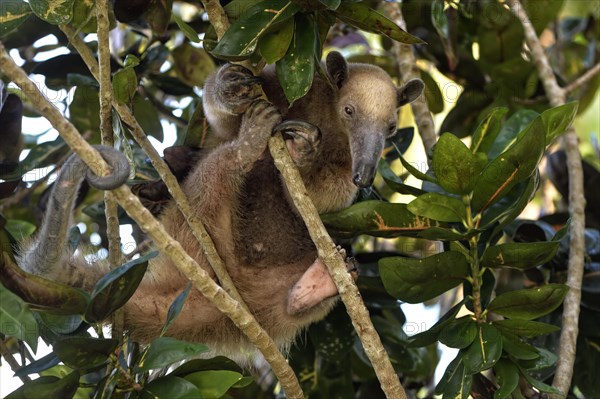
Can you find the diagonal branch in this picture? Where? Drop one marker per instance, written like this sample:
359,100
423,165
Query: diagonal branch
557,96
583,79
170,247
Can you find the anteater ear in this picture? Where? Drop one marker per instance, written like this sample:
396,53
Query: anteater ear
410,91
337,68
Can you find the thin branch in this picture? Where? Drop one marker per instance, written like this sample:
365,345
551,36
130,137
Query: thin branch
12,362
583,79
218,17
115,257
557,96
328,253
170,247
163,170
408,70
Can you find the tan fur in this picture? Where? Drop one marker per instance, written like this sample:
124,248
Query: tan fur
237,192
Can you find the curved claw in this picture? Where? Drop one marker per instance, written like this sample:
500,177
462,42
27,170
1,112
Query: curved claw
292,125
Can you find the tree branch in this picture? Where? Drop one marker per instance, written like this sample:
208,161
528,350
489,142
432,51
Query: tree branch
217,16
583,79
113,235
163,170
170,247
328,253
557,96
408,70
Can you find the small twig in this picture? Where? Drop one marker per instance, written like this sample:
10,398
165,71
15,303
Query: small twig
557,96
583,79
328,253
218,17
168,246
115,257
408,70
12,362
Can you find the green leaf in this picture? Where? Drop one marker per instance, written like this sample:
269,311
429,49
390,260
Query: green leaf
158,15
13,14
40,293
529,303
507,374
513,211
175,308
514,165
193,65
456,167
171,387
296,69
459,333
518,349
444,234
485,350
65,388
510,130
187,30
273,46
165,351
456,382
84,352
525,328
16,320
438,207
20,229
488,130
147,115
55,12
125,84
215,363
428,337
116,287
416,172
539,384
376,218
394,182
545,360
418,280
365,18
241,39
213,384
557,120
520,255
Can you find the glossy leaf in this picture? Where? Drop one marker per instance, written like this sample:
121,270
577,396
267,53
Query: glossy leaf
507,374
176,307
165,351
519,255
41,293
418,280
525,328
541,386
514,165
529,303
241,39
171,387
510,207
215,363
413,170
376,218
365,18
147,116
41,364
456,382
213,384
444,234
557,120
83,352
13,14
485,350
125,84
273,46
545,360
438,207
16,320
296,69
459,333
116,287
394,182
65,388
518,349
488,130
510,130
54,12
430,336
187,30
456,167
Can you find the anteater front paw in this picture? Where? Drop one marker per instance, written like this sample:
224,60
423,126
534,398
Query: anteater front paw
303,141
236,87
258,122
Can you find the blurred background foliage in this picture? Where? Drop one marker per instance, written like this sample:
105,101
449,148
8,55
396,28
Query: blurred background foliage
471,57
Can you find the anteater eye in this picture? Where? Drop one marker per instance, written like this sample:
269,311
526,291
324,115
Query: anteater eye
348,110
